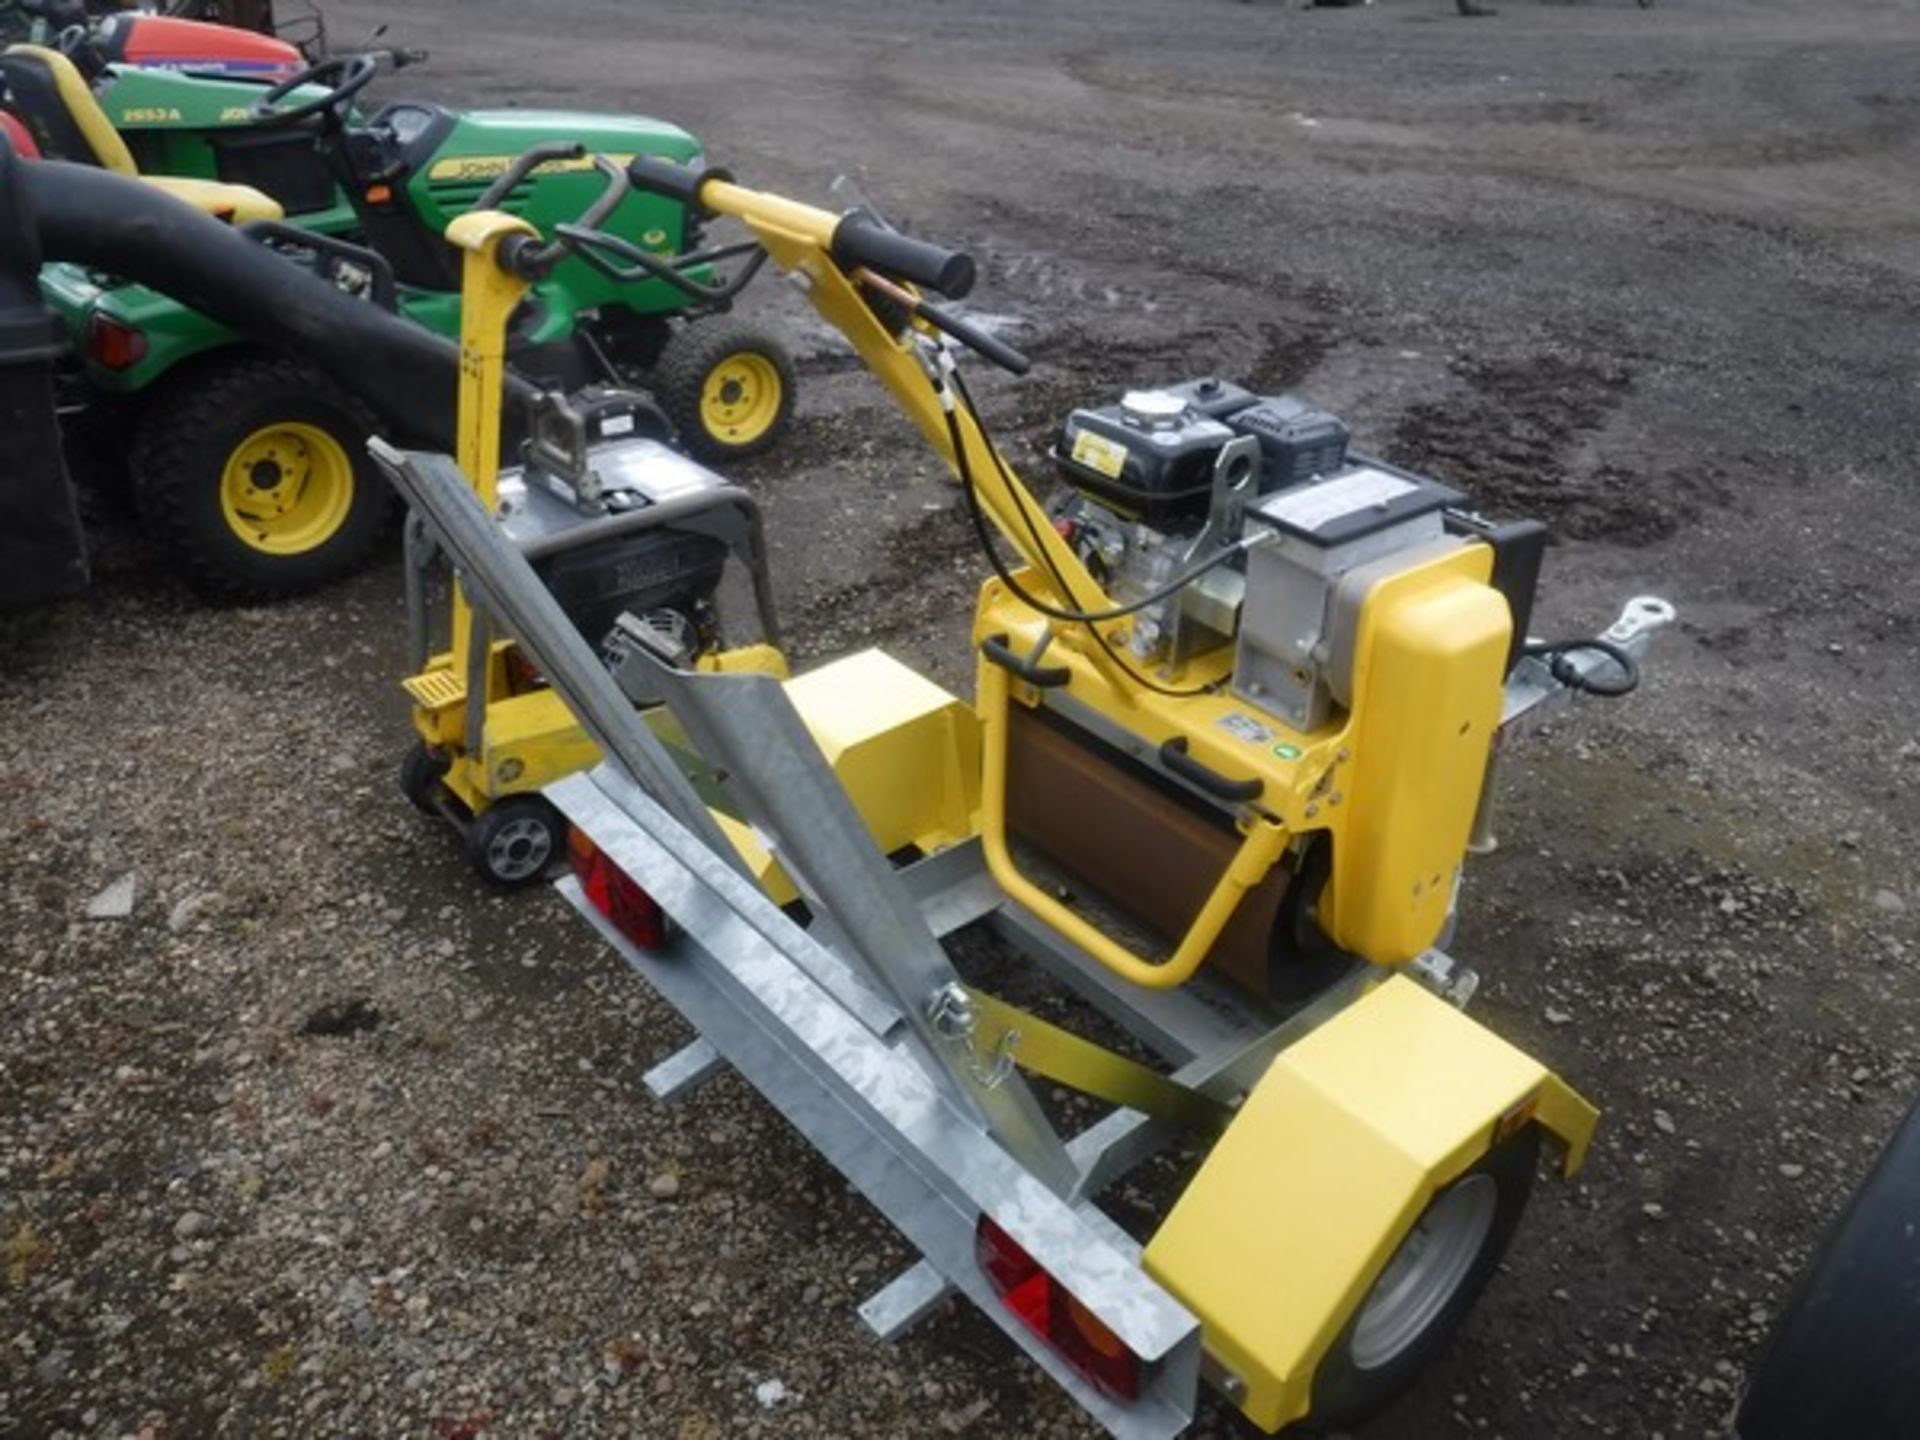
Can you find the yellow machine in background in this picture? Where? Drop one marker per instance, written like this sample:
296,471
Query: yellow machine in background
619,521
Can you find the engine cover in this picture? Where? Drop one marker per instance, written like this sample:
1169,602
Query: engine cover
1305,587
675,567
1151,455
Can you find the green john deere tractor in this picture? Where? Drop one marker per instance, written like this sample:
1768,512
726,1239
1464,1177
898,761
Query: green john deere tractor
251,462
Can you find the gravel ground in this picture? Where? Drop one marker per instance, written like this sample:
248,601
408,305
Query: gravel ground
322,1139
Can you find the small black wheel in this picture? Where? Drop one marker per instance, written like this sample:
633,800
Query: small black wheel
256,469
1428,1286
420,774
512,841
726,385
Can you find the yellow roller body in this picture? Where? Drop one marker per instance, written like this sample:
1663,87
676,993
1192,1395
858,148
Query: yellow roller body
1427,687
1324,1171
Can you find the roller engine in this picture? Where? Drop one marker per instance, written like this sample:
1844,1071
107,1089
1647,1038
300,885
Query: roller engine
1155,485
1162,478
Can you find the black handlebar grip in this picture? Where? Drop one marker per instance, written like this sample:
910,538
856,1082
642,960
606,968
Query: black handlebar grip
1174,756
674,180
859,239
1041,677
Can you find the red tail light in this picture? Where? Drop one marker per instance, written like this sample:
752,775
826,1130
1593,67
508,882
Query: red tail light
114,345
21,137
1048,1308
613,893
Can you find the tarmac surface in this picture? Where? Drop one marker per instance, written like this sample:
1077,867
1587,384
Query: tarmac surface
1652,276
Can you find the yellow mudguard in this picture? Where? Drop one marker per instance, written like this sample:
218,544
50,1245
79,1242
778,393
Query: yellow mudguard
1324,1171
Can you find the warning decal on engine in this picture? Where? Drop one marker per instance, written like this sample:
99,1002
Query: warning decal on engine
1096,452
1243,726
1314,507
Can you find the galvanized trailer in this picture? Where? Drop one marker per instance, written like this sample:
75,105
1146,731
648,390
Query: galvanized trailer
859,1031
1369,1147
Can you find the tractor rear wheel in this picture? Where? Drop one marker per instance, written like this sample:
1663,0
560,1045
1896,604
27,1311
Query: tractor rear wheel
726,385
255,468
1428,1285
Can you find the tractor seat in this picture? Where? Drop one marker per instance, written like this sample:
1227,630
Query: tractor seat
45,91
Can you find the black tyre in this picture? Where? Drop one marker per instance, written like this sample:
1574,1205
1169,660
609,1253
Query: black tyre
420,774
256,469
1413,1309
513,841
727,386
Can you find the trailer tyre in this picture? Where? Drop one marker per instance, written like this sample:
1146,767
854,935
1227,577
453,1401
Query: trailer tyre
1420,1299
727,386
255,468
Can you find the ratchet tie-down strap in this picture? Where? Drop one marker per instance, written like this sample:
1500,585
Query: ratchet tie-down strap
1002,1036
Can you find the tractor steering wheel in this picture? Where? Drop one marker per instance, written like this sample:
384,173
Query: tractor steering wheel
344,77
76,43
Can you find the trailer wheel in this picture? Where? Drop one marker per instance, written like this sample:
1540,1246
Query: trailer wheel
256,469
1428,1286
512,841
727,387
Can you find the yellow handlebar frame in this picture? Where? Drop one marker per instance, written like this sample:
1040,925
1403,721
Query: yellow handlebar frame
799,239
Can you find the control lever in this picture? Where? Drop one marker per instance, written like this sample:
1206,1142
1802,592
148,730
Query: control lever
1041,677
944,320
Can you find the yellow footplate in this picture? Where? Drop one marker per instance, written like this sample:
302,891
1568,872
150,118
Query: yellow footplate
436,688
1324,1171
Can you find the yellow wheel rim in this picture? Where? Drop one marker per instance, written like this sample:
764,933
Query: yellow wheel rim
741,398
286,488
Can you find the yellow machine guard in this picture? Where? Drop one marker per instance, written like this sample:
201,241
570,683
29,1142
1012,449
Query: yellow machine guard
907,752
1324,1171
1428,668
